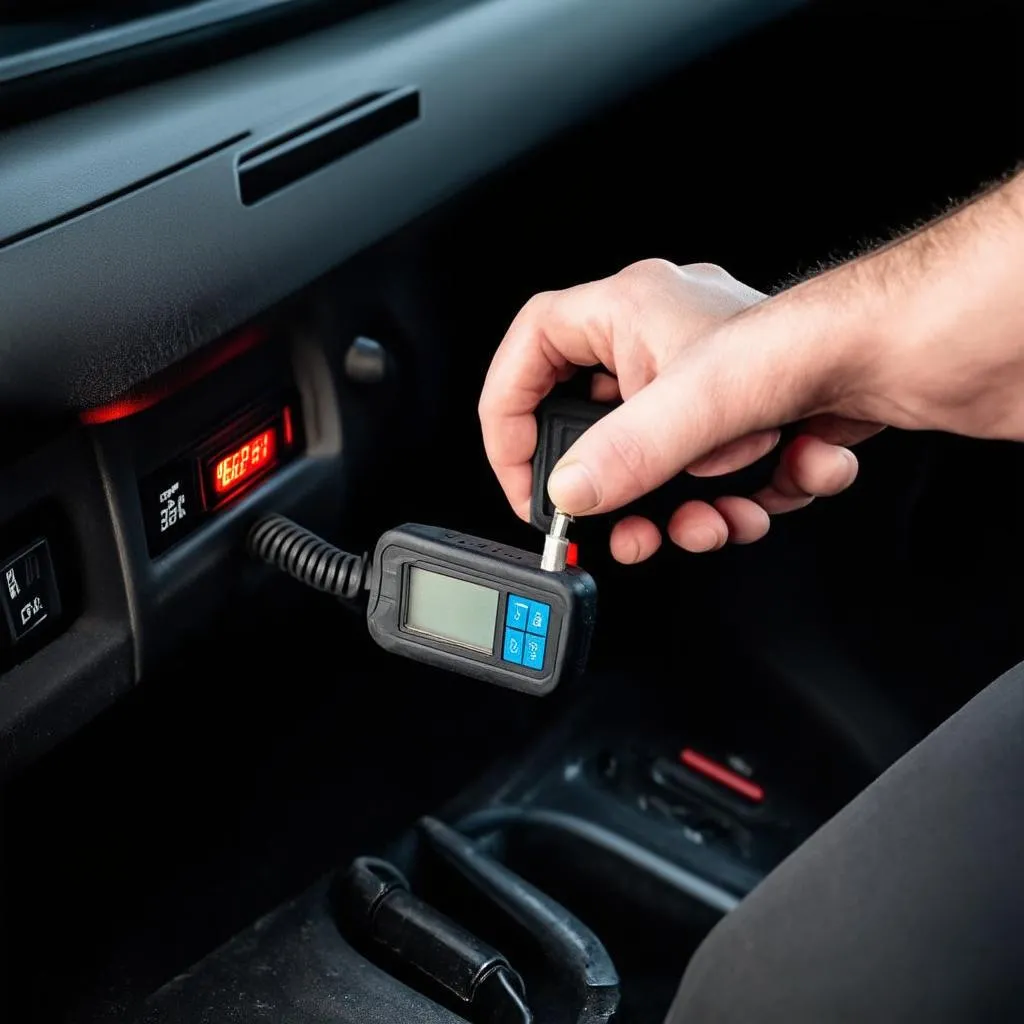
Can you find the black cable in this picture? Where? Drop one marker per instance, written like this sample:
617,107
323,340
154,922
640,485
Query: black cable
308,558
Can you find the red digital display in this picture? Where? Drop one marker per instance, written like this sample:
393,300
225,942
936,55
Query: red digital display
251,458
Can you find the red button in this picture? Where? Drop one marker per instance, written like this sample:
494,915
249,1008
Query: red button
718,772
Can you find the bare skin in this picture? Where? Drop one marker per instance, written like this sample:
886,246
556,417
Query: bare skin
926,333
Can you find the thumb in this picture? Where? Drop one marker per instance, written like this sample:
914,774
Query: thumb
632,450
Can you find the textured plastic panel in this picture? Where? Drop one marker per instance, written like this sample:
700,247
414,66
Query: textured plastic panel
95,33
58,688
175,593
134,264
293,966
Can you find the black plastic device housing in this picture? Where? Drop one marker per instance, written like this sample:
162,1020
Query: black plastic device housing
561,422
563,418
571,594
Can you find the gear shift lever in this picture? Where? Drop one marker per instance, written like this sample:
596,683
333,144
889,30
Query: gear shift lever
374,899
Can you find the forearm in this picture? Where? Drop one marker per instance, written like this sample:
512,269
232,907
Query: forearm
926,333
951,315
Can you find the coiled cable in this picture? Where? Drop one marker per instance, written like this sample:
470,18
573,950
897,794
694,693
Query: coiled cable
308,558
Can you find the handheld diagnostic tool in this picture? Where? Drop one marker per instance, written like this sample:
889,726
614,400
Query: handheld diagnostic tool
482,609
497,613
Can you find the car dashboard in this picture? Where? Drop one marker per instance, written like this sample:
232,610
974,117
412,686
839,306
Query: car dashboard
149,240
255,257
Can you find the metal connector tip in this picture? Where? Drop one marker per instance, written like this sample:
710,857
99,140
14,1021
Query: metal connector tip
556,543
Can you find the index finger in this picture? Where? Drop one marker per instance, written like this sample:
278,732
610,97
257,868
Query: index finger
552,334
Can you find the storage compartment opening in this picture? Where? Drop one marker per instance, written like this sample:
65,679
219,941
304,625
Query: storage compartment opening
650,928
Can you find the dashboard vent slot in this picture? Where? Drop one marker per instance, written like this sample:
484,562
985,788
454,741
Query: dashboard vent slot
288,158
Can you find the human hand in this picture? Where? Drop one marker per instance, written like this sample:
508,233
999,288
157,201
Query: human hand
696,397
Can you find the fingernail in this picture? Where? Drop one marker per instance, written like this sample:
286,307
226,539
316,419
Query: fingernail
852,465
703,539
629,556
634,553
571,488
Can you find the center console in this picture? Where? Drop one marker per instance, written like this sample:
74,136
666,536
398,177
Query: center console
572,885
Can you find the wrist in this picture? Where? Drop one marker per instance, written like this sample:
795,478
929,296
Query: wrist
924,333
821,347
950,307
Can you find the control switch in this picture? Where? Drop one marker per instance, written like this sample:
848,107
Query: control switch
30,594
170,505
526,631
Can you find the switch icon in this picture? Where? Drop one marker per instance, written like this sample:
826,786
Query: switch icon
30,595
13,586
170,505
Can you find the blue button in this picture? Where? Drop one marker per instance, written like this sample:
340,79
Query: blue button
533,652
513,650
537,620
517,613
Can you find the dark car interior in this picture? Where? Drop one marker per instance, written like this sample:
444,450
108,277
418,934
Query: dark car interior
310,222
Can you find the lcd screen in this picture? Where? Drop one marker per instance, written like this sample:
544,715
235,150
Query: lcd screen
451,609
252,458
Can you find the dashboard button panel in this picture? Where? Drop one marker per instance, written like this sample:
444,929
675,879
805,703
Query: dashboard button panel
30,594
182,494
171,506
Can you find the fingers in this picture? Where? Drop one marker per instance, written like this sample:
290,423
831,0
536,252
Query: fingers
517,483
636,447
675,416
810,468
697,526
814,465
634,539
554,332
644,316
836,430
604,388
841,430
735,455
746,520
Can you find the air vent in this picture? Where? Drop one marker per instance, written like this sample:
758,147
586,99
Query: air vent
284,160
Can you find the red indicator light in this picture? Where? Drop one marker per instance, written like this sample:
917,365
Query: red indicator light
176,378
249,459
713,770
572,555
289,432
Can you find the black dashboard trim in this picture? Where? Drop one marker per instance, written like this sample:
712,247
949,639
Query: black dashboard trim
120,193
115,290
129,34
277,164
